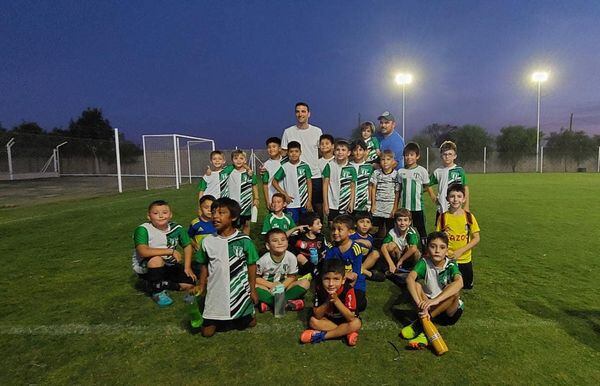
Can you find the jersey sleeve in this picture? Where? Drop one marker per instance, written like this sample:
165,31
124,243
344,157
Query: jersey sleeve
254,179
454,270
373,179
279,174
326,171
412,238
227,170
259,267
292,222
388,238
353,174
438,222
350,300
251,253
284,140
421,269
433,179
265,177
266,225
201,185
140,236
463,176
375,142
357,258
200,255
307,171
184,238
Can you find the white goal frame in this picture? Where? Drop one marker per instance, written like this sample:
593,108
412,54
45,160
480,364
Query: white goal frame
176,154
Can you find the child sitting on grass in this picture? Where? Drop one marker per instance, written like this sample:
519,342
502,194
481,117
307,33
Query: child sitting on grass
400,247
227,273
277,218
307,238
202,225
335,310
279,267
156,259
366,241
462,230
434,284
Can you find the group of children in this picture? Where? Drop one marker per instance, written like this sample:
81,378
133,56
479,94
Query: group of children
375,215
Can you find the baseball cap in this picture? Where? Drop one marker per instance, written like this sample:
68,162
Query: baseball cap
387,116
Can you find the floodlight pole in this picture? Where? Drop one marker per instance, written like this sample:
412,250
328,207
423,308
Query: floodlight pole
10,144
403,109
427,158
537,140
118,155
484,158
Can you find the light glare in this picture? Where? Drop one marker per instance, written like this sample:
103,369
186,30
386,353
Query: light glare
403,79
539,76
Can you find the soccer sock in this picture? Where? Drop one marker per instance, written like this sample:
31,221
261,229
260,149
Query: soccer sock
296,292
265,296
155,278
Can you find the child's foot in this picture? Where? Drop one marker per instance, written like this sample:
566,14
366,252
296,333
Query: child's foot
295,305
263,307
308,277
162,299
376,276
312,336
411,331
352,339
419,342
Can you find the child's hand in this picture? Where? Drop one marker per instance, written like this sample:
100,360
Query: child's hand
208,171
309,207
190,273
325,209
333,297
255,202
177,256
352,276
434,199
392,268
288,199
248,169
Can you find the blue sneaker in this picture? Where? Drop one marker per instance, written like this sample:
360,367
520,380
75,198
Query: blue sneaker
162,299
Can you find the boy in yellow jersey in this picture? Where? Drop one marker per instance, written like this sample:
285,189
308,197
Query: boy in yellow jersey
462,230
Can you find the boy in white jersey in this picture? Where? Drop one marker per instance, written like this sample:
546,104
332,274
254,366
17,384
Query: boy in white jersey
448,174
413,179
156,259
364,170
270,167
339,183
211,182
277,218
367,131
401,245
227,272
241,186
384,192
293,180
326,155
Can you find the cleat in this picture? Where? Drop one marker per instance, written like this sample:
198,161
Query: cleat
352,339
295,305
312,336
419,342
410,331
162,299
308,277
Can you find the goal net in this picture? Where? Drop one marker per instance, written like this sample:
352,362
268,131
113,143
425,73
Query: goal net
174,159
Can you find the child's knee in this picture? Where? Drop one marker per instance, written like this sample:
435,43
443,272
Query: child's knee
313,322
156,262
304,284
355,324
208,331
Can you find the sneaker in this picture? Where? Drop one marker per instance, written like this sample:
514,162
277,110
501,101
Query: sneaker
411,331
162,299
263,307
295,305
419,342
352,339
308,277
312,336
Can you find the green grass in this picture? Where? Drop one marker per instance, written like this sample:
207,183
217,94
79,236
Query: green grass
69,312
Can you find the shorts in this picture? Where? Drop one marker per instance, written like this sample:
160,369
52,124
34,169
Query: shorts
466,270
333,213
418,221
446,320
317,191
388,222
224,325
175,273
244,219
361,301
296,213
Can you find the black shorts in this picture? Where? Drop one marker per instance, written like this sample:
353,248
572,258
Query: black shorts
418,221
466,270
225,325
243,220
446,320
176,273
317,191
380,221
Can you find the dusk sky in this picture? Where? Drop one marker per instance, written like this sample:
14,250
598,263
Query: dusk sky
233,70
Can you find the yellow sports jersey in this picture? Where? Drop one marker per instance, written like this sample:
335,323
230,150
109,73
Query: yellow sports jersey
459,230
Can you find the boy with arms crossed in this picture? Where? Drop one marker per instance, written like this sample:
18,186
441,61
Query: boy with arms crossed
367,243
339,183
334,310
434,285
227,272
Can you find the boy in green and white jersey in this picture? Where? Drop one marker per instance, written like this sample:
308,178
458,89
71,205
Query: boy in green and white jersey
214,182
156,259
241,187
413,179
227,272
364,170
277,218
339,183
367,131
270,167
294,181
401,245
448,174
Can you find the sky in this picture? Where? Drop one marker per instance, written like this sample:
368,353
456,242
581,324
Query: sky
233,70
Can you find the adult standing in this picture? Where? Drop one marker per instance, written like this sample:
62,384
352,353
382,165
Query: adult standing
389,138
308,136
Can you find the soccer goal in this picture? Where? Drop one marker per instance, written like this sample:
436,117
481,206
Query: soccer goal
174,159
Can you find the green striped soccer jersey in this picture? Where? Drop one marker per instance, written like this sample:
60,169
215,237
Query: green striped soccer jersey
372,147
147,234
341,178
294,181
443,177
362,199
239,187
411,182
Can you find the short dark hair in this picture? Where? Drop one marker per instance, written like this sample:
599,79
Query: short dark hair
345,219
359,143
361,215
158,203
275,140
456,187
294,145
333,265
341,142
216,152
402,212
274,231
205,198
231,204
280,195
302,104
412,146
328,137
437,235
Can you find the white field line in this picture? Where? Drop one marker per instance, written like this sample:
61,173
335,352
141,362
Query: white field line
261,328
104,204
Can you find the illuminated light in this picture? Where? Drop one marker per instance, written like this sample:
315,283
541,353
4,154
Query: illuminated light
403,78
539,76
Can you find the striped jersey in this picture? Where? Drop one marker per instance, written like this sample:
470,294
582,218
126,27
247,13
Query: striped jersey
228,288
215,184
443,177
272,221
271,167
386,186
148,234
239,188
341,179
276,271
362,199
294,179
411,183
372,147
435,279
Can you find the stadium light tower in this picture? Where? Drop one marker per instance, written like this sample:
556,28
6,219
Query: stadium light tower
402,79
539,77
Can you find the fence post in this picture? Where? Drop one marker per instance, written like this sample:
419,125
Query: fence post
145,160
484,158
118,154
598,159
189,161
541,159
9,154
427,159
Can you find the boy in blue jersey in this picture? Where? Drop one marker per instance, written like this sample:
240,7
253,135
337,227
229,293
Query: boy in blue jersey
366,241
202,225
350,252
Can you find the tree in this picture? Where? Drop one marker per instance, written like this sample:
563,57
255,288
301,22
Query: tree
470,141
440,133
515,143
568,144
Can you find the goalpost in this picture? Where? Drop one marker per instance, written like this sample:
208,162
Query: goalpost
168,157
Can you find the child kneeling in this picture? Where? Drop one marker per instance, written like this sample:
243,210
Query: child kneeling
434,284
334,311
279,267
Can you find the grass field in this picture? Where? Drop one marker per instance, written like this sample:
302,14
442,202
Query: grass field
69,312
